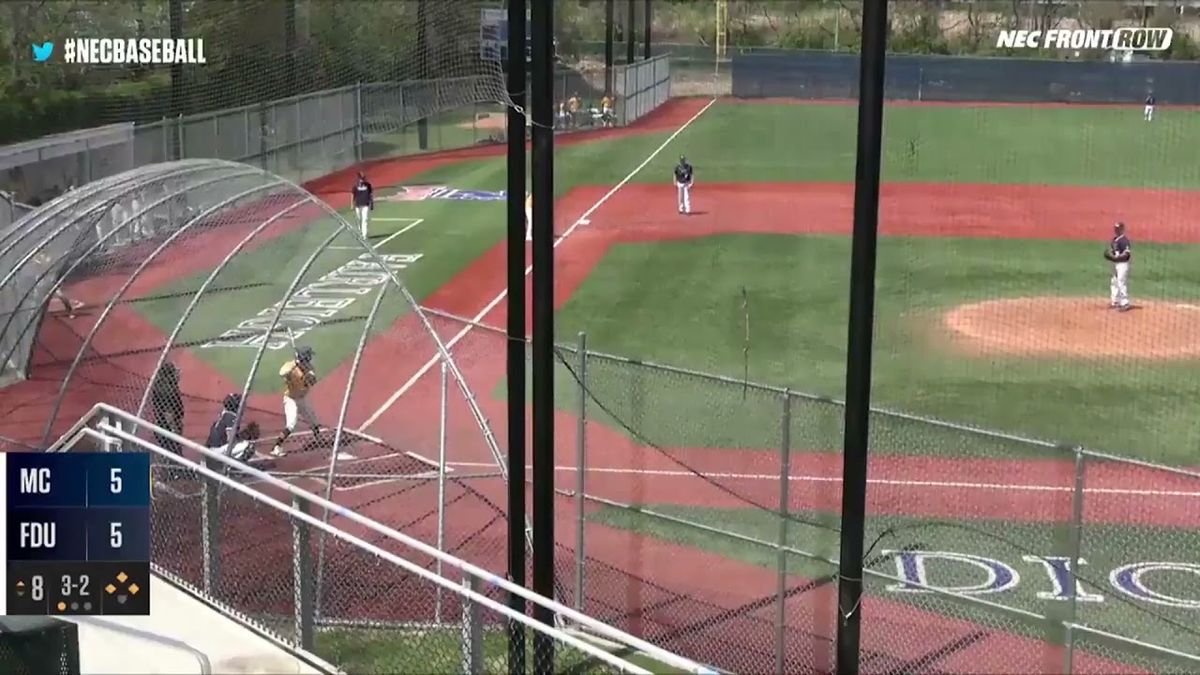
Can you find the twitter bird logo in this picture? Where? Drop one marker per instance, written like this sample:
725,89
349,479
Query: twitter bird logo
43,51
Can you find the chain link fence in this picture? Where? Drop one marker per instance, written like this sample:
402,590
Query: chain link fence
248,544
709,526
307,137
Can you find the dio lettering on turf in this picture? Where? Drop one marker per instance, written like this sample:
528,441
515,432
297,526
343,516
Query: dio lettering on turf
980,575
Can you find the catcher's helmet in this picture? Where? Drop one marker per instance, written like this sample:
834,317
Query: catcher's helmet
232,402
304,354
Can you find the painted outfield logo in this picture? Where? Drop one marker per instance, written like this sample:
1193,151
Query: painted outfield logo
1129,38
317,303
979,575
420,193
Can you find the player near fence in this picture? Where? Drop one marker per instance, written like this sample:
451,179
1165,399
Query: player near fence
167,401
608,116
1148,114
298,378
684,175
68,305
1119,254
574,104
364,201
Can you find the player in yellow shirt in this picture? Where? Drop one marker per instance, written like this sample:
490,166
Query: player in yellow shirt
607,114
573,105
528,216
298,378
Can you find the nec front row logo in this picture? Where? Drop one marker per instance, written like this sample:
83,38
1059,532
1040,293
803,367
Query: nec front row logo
43,51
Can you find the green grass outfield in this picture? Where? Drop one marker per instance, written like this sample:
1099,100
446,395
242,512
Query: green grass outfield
799,320
689,316
439,650
662,302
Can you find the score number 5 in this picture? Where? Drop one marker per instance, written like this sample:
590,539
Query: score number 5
115,539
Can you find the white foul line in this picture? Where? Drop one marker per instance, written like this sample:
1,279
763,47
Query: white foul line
500,297
415,222
1008,487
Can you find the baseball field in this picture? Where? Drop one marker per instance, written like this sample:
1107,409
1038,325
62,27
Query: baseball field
991,314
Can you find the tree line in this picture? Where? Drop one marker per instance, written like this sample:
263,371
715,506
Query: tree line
256,51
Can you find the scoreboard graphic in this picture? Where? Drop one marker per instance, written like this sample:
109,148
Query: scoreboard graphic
76,533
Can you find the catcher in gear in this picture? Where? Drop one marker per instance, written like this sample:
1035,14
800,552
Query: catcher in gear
223,438
298,377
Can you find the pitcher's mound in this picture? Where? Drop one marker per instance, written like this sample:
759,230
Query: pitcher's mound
1077,327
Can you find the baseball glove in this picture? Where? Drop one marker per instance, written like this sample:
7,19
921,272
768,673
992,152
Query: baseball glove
250,432
310,378
1108,255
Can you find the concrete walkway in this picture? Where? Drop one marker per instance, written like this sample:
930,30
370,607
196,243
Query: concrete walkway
182,636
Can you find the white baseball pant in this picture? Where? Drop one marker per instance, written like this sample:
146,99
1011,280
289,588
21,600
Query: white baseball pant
364,215
294,408
1118,287
240,450
684,191
1149,114
528,224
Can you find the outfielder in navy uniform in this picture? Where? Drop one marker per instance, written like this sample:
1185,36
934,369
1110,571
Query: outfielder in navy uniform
683,184
1148,115
364,201
1119,253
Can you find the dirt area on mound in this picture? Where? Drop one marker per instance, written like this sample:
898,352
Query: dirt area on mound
1077,327
487,121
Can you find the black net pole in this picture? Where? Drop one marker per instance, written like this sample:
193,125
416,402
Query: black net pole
423,48
861,325
178,105
610,12
289,47
515,371
542,160
630,31
646,29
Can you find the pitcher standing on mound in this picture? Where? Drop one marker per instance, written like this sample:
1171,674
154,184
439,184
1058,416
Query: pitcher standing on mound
1119,254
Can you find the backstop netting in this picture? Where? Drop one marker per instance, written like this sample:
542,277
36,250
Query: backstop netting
180,291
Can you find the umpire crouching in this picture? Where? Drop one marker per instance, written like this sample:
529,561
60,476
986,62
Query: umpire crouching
167,401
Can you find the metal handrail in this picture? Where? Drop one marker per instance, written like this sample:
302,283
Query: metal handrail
668,658
407,565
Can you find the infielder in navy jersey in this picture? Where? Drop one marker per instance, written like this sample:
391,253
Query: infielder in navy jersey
1119,254
364,201
1149,113
683,185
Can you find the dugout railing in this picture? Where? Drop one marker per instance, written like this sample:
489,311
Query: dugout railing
219,546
